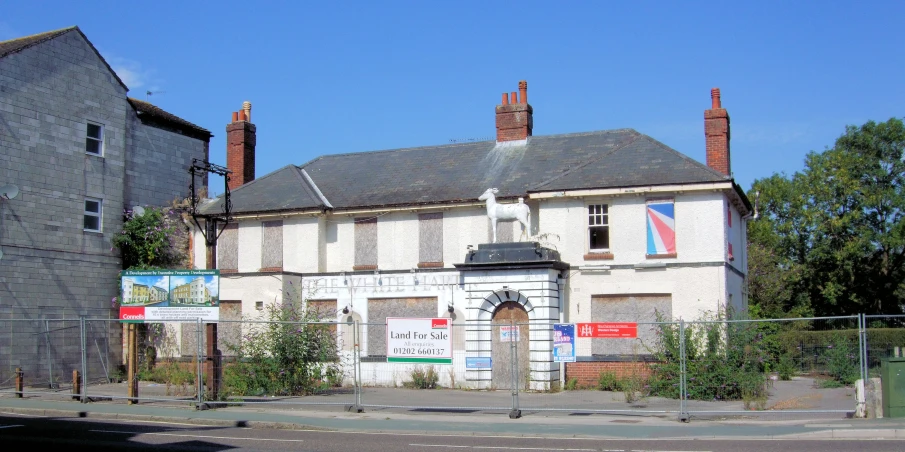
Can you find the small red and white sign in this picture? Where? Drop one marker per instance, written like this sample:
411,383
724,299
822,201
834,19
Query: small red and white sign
439,324
610,330
133,313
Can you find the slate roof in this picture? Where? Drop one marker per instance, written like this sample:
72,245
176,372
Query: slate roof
20,44
461,172
154,115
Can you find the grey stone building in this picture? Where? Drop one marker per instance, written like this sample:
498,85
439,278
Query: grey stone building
80,151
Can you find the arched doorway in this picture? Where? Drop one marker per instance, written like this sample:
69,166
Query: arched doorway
510,345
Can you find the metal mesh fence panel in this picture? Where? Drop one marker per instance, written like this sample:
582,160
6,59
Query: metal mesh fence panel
286,363
610,374
795,368
410,373
885,338
163,374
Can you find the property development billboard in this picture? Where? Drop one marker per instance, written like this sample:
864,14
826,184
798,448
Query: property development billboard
170,296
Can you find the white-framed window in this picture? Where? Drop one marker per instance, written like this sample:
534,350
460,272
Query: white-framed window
94,139
93,214
598,227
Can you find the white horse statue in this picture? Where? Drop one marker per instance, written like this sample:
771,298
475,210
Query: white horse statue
504,212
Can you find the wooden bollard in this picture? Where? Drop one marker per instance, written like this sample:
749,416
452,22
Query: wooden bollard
76,386
20,382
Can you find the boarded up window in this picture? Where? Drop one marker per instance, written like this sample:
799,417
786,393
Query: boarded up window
366,243
430,237
381,308
272,245
639,308
325,309
228,248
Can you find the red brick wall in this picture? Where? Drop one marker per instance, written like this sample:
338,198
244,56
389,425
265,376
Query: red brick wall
241,138
587,373
716,133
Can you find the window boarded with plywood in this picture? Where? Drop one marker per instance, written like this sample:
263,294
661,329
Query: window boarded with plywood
272,245
381,308
366,243
639,308
430,238
228,248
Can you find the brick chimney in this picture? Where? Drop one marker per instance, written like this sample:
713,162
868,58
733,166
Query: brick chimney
514,119
240,147
716,132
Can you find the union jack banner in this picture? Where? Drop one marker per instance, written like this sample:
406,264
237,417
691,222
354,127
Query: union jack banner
661,227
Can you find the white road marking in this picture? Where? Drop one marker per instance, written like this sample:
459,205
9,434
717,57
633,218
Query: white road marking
11,426
201,436
508,448
19,414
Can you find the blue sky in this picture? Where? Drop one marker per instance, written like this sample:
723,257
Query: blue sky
337,77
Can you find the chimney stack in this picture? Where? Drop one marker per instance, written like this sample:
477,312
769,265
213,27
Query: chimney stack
514,118
240,147
716,133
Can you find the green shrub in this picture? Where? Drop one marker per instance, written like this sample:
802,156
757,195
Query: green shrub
724,361
785,367
291,354
608,381
572,384
423,378
841,359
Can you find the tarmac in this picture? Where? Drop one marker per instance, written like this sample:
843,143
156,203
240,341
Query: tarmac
439,421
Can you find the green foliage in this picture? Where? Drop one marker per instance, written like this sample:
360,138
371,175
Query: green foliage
608,381
831,239
572,384
290,354
152,239
178,377
841,360
423,378
785,367
724,361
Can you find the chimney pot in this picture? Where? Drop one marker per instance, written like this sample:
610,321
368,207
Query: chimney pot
241,137
514,118
716,134
246,106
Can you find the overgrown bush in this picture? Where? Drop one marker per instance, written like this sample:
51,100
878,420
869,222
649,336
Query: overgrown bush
841,360
423,378
608,381
724,361
572,384
290,354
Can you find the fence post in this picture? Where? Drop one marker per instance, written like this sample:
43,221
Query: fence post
199,371
860,392
76,383
683,384
20,382
83,390
132,363
515,413
356,363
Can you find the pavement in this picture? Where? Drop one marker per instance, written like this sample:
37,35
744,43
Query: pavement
439,421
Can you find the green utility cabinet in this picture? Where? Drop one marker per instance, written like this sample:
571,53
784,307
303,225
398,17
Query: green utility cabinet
892,382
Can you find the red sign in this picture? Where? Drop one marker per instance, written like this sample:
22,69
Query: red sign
607,330
439,324
132,313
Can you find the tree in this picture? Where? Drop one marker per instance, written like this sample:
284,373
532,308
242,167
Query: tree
834,231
